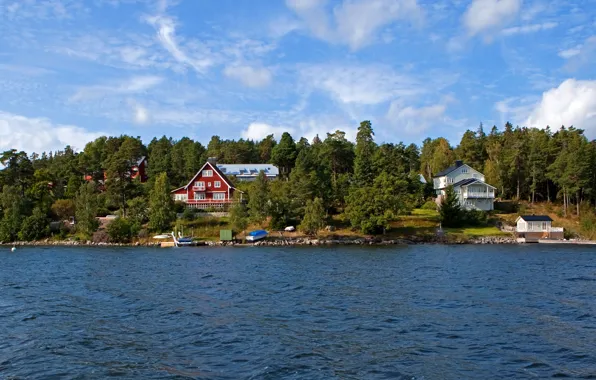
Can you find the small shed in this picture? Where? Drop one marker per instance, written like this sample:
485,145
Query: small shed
534,227
225,235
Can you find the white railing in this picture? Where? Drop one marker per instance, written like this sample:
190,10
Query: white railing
198,188
556,229
479,194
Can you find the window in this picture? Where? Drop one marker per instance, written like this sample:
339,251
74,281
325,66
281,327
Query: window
450,180
217,184
544,226
180,197
207,173
219,196
200,184
200,196
209,184
464,170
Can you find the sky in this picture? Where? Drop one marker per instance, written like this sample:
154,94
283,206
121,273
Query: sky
73,70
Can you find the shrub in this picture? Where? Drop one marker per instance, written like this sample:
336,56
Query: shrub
35,227
429,205
189,214
179,207
475,217
119,231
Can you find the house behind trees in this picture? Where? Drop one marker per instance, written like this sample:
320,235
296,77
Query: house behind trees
473,193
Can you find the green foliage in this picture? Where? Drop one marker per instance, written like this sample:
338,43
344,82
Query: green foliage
429,205
314,217
161,206
120,230
259,198
239,217
86,204
35,227
450,211
13,213
371,208
63,209
364,172
283,154
189,214
138,213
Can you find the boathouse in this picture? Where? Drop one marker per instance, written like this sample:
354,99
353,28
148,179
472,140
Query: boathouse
532,228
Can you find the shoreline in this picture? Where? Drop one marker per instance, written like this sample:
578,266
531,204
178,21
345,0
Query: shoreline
280,242
302,242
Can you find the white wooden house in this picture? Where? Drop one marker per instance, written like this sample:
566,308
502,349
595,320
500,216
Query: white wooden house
473,193
534,227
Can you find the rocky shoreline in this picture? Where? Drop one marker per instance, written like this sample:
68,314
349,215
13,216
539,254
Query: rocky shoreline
276,242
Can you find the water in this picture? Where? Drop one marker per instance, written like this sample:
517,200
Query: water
420,312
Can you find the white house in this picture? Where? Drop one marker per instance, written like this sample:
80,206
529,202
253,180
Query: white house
468,184
249,172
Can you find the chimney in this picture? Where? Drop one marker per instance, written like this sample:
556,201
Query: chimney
212,160
459,163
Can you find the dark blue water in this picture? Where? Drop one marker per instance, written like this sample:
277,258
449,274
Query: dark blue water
421,312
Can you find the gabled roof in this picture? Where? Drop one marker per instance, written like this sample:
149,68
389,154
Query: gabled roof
140,161
215,169
470,181
449,169
535,218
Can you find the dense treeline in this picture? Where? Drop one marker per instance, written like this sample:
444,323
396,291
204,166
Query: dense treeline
366,183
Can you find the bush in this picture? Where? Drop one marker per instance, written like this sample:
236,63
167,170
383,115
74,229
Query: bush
35,227
179,207
429,205
120,231
189,214
63,209
475,217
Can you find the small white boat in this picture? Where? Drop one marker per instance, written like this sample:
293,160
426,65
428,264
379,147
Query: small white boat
290,229
162,236
256,235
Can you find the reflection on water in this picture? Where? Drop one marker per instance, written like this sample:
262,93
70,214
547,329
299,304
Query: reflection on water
422,312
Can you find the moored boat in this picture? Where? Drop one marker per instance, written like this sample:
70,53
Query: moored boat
256,235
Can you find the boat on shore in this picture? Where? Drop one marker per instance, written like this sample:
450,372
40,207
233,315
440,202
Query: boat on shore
162,236
256,235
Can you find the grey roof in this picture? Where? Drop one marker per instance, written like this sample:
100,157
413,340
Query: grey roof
140,161
536,218
422,179
465,182
449,169
248,170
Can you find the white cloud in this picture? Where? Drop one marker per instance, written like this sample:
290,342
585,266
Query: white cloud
40,134
568,53
583,54
249,76
572,103
486,16
359,20
414,120
356,22
24,70
524,29
140,114
366,85
258,131
134,85
166,35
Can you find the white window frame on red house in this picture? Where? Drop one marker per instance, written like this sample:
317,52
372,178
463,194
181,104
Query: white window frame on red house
200,184
217,184
216,196
201,196
207,173
180,197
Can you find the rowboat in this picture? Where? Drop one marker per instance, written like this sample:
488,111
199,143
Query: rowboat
256,235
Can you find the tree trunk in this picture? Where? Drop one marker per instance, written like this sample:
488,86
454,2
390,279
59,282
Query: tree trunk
578,203
518,187
547,191
565,202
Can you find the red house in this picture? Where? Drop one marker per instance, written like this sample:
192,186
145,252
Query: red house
208,188
140,170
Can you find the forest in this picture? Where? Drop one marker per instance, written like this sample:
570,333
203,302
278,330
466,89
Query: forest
366,183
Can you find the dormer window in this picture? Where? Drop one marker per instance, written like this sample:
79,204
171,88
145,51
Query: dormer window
464,170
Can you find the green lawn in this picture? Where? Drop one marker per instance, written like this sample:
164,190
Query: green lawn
477,231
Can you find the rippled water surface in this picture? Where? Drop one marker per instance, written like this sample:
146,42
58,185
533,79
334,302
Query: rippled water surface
420,312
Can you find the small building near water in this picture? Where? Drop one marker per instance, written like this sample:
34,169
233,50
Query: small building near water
532,228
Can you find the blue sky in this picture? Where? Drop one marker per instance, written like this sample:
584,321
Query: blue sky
72,70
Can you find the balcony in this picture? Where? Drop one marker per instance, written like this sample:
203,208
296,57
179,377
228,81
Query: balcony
198,188
210,201
479,194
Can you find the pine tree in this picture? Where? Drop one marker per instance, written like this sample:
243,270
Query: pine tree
450,210
259,198
283,154
364,155
86,209
314,217
161,206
